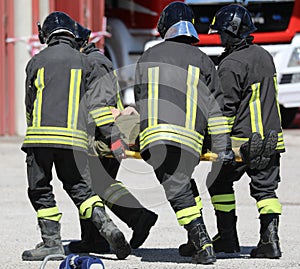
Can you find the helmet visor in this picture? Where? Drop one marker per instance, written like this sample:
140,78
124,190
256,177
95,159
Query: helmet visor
182,28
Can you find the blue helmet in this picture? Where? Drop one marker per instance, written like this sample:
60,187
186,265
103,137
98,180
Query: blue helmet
73,261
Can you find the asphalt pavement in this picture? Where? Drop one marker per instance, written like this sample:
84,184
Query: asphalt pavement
19,230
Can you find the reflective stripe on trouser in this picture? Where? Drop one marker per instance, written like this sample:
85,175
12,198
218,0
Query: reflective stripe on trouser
114,193
223,202
269,206
51,213
86,208
185,216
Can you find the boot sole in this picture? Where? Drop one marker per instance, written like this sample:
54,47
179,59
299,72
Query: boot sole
120,245
205,256
210,260
255,145
270,144
275,255
250,151
42,257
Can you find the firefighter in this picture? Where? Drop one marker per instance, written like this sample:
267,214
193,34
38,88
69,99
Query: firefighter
104,170
248,78
63,94
178,96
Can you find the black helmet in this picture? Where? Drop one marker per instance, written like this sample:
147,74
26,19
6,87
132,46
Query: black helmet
82,34
234,19
177,19
56,22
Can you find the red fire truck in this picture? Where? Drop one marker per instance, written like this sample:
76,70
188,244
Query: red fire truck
132,25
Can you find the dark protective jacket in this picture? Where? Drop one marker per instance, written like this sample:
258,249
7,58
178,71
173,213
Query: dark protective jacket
64,94
179,97
248,78
111,90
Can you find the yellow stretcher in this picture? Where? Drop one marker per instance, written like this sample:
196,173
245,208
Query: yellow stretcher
209,156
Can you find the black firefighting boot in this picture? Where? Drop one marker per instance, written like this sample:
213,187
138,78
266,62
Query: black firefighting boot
110,232
251,150
226,240
50,231
269,149
268,245
91,241
140,220
204,252
187,249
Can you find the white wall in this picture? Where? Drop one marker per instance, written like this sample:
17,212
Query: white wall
23,25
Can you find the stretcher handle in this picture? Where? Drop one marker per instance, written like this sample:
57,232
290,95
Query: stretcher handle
208,156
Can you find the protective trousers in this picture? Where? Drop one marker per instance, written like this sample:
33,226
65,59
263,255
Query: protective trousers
173,168
263,185
71,169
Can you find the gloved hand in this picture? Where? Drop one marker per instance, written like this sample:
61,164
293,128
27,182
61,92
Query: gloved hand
118,150
226,157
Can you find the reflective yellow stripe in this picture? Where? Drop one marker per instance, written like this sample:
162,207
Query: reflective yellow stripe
192,96
276,88
224,202
74,97
255,110
102,116
269,206
240,139
49,130
199,203
224,208
119,99
56,135
51,213
175,133
86,208
280,143
103,111
37,106
218,125
186,215
223,198
230,121
153,78
27,118
115,192
172,129
206,246
56,140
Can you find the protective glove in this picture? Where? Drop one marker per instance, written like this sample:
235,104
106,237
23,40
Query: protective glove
226,157
118,150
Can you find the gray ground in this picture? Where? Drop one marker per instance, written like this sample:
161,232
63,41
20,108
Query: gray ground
19,229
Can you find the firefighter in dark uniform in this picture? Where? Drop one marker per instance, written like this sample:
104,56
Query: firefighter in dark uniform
104,170
249,82
178,96
63,94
